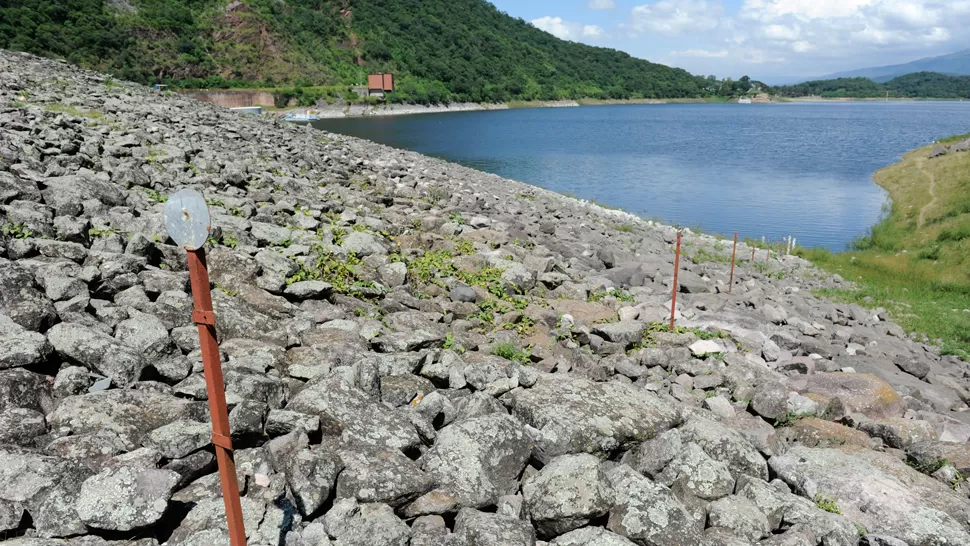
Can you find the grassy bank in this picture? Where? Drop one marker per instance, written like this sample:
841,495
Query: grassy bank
915,261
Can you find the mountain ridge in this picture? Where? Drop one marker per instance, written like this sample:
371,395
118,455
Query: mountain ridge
460,50
951,64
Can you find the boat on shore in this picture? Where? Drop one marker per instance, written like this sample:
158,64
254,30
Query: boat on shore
744,100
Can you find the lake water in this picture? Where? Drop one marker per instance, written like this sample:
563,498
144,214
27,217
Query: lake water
800,169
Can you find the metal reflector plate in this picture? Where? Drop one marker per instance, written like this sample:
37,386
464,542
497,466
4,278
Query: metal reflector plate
187,219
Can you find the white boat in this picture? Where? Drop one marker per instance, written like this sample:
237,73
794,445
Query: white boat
302,116
744,100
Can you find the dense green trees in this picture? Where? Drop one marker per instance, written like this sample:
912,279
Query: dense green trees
481,54
442,50
918,85
81,31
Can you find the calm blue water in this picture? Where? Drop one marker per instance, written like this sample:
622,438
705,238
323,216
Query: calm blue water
800,169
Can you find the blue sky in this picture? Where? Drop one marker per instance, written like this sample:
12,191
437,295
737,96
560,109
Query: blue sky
776,41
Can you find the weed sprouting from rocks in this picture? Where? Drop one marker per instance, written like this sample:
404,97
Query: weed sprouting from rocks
511,352
828,504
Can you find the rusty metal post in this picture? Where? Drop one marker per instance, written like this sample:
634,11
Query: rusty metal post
673,300
752,255
204,318
734,254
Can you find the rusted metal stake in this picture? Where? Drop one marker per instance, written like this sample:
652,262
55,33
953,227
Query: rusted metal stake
673,301
204,317
734,254
752,255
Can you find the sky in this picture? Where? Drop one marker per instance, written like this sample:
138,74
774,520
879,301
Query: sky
776,41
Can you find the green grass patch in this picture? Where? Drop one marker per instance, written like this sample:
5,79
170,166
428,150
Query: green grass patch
509,351
73,111
954,138
918,271
827,504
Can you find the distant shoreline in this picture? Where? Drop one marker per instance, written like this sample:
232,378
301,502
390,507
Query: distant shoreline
237,98
859,99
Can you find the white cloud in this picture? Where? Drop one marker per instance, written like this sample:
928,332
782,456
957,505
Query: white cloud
601,4
553,25
758,56
815,36
767,10
672,17
567,30
703,53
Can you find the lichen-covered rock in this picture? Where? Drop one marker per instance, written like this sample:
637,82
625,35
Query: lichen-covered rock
566,494
879,492
740,516
97,352
20,347
380,475
367,525
649,513
20,301
129,413
726,445
577,415
474,528
698,473
123,499
845,393
591,536
479,459
359,418
20,388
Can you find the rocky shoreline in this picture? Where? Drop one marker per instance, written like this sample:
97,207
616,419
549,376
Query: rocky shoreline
332,111
417,353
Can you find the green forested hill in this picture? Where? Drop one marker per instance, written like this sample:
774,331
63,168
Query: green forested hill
441,49
925,85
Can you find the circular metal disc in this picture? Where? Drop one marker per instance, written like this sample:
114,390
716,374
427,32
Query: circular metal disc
187,219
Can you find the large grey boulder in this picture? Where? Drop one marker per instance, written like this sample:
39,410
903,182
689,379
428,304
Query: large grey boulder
879,492
648,513
591,536
179,439
123,499
380,475
206,522
20,347
311,475
97,352
739,515
46,487
576,415
474,528
22,389
479,459
361,419
566,494
19,426
146,334
697,472
353,524
624,333
19,300
726,445
362,244
129,413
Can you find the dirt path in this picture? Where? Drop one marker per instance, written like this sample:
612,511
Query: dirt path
922,212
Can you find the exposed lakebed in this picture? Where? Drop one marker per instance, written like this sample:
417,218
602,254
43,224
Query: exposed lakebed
801,169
